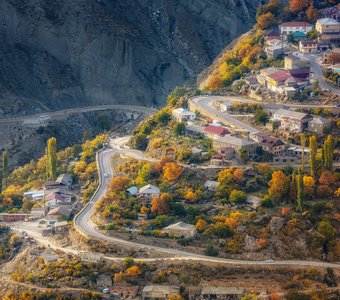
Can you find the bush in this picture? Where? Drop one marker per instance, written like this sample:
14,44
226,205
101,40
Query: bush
267,202
211,251
237,196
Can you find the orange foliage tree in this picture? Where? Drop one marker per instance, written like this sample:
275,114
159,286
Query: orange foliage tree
119,183
201,225
238,175
190,195
160,205
308,186
266,20
278,185
172,171
297,5
133,271
326,178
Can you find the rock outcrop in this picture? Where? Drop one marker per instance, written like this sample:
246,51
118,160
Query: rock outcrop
64,53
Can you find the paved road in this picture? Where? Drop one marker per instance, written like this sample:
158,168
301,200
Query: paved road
318,75
146,110
83,223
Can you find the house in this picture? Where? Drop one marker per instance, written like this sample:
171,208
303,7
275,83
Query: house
273,145
35,195
48,257
90,257
5,217
335,68
159,292
292,120
52,200
183,115
222,293
49,185
291,27
61,227
217,160
124,291
104,281
327,26
237,144
215,131
296,151
308,46
224,107
194,131
62,191
181,229
77,206
275,79
58,213
273,35
38,212
275,51
47,232
66,180
332,57
148,192
258,136
297,67
318,125
132,191
332,12
211,185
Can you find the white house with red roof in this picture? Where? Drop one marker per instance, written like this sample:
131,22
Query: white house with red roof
294,26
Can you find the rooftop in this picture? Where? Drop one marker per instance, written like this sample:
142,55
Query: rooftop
232,140
295,24
147,187
328,21
181,226
218,130
165,289
182,111
220,290
291,114
321,120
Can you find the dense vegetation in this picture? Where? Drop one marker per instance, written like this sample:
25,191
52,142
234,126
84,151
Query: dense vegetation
78,161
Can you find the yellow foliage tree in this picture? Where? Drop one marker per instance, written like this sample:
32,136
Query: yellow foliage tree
133,271
201,225
190,195
278,185
308,186
172,171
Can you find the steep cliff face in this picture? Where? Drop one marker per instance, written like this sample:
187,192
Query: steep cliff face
63,53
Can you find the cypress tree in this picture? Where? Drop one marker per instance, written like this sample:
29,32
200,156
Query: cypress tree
303,145
300,192
51,159
312,155
328,152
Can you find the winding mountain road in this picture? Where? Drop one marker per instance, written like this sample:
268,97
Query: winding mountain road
50,114
85,226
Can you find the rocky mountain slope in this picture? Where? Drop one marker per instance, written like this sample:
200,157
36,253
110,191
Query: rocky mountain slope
63,53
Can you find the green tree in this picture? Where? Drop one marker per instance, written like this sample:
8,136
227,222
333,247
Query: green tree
140,141
237,196
261,117
300,191
293,187
179,129
312,155
163,117
104,121
51,163
303,145
4,168
328,153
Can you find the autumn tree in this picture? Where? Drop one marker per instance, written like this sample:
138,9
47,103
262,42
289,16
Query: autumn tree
161,204
312,13
201,225
238,175
119,183
86,136
326,178
4,168
278,186
308,186
297,5
133,271
312,155
172,171
266,20
190,195
119,277
51,164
